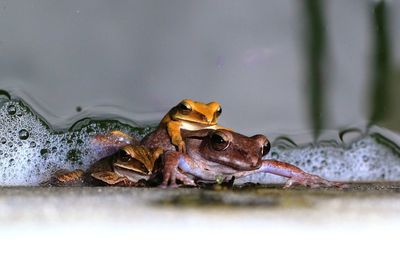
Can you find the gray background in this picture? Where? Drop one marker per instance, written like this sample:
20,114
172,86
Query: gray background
136,59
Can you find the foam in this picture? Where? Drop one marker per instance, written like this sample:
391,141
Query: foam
364,160
30,151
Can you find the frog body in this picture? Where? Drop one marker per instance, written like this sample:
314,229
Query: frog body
214,156
190,115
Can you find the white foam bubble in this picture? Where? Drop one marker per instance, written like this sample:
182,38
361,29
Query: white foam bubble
30,152
364,160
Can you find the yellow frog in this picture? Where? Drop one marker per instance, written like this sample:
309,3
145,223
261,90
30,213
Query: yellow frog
190,115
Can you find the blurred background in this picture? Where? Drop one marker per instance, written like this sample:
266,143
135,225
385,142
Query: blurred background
277,66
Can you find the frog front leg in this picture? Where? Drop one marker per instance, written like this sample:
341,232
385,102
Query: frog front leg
174,131
176,164
294,174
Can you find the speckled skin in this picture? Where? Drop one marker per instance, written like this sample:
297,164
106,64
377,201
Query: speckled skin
159,138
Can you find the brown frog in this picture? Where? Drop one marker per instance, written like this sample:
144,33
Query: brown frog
129,166
214,156
218,155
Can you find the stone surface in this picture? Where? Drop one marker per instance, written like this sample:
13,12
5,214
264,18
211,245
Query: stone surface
118,204
250,226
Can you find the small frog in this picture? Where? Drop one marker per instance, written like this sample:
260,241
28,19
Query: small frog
127,167
190,115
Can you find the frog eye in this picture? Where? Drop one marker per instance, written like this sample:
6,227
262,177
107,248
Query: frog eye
266,148
123,156
218,111
219,141
184,107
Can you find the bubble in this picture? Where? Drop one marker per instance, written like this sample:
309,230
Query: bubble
274,155
3,140
362,144
74,155
23,134
32,144
314,168
44,152
11,109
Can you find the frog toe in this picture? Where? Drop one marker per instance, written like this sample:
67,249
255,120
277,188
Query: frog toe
185,179
312,181
181,147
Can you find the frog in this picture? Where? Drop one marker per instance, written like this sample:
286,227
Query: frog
130,165
220,155
190,115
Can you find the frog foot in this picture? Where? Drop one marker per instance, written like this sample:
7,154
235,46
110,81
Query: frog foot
66,178
312,181
181,147
171,182
295,175
171,173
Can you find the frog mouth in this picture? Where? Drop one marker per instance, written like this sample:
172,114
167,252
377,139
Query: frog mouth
193,126
131,174
203,121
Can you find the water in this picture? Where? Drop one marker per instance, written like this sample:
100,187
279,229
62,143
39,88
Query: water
31,150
